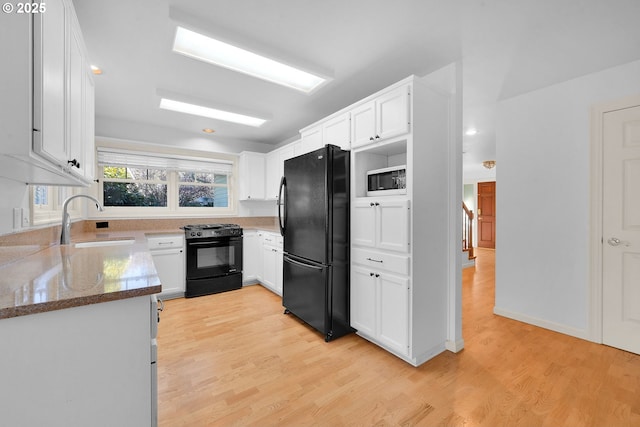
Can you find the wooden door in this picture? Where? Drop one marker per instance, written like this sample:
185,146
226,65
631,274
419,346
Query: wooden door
621,229
487,214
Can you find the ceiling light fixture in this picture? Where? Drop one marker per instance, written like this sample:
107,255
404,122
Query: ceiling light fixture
489,164
96,70
199,110
207,49
208,130
471,131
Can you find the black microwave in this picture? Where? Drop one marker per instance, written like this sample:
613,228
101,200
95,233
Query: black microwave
391,180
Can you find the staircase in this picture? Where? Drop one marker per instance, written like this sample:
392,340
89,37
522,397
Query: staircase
469,258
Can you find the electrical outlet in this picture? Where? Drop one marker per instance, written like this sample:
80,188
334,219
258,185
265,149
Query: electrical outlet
17,218
25,218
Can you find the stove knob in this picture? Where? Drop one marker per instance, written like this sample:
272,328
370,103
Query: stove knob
193,233
199,233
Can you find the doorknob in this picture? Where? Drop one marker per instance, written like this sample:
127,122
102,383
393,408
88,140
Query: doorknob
614,241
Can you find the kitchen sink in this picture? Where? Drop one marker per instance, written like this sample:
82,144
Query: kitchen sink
100,243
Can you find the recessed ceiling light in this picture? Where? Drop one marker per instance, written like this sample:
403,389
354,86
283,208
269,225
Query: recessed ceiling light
199,110
471,131
208,130
96,70
207,49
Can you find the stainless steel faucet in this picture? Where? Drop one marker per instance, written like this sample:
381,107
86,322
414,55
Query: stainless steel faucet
66,219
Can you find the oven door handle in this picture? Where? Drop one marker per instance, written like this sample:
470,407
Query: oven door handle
282,203
208,243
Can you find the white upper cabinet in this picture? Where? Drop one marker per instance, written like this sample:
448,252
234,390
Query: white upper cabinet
49,65
312,139
47,138
337,131
252,176
274,172
363,124
384,117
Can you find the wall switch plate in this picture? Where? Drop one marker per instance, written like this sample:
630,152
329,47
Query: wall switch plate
25,218
17,218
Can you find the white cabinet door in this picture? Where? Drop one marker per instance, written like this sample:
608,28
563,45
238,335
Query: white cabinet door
379,223
392,227
170,267
251,171
363,300
392,113
363,223
363,124
88,122
337,131
273,174
312,139
279,272
393,309
269,266
251,256
49,67
75,101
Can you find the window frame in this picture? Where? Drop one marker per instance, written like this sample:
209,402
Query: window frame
52,212
172,209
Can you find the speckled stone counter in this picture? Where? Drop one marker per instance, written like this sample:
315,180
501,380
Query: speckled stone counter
64,276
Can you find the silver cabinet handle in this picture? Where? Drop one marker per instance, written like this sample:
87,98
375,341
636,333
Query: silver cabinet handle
374,260
614,241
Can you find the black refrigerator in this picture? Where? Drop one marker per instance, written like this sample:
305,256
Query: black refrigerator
313,213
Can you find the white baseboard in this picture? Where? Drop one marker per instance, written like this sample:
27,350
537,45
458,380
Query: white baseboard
552,326
454,346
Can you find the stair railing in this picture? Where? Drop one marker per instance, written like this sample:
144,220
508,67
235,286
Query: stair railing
467,231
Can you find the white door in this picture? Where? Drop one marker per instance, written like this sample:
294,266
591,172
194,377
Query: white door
621,229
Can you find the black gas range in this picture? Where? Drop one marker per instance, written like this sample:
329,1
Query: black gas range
214,258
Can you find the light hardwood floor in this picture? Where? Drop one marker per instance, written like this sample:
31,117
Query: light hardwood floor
234,359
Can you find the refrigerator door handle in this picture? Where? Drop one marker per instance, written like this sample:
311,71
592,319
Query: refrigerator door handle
302,264
282,218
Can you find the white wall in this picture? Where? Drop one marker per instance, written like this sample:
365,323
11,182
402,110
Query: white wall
542,234
14,195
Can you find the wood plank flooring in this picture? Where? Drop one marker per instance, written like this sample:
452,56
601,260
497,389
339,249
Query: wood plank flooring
234,359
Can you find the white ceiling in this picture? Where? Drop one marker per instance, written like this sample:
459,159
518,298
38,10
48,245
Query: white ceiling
506,47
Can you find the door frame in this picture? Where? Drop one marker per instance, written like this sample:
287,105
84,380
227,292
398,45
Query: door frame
596,209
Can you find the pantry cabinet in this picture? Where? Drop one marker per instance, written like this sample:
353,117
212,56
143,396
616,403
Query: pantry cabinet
46,121
400,242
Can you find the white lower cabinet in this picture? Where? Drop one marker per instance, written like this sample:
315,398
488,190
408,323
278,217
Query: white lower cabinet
272,262
380,307
262,259
251,257
168,255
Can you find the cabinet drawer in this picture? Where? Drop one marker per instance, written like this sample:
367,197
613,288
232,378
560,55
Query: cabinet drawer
167,241
381,261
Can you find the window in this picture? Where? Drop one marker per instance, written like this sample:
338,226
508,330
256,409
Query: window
47,201
123,186
203,189
163,183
